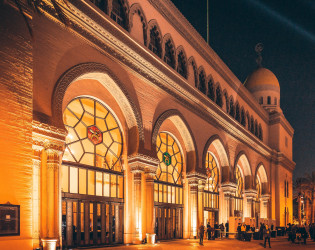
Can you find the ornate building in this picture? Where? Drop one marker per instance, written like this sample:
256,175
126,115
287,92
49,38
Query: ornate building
120,122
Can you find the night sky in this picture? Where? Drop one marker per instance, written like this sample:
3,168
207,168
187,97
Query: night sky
287,30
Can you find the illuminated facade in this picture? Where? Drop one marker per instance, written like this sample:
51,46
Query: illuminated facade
125,124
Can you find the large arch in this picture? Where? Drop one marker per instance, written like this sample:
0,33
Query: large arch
217,142
103,75
180,123
245,166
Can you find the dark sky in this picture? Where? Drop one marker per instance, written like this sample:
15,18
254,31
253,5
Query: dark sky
287,30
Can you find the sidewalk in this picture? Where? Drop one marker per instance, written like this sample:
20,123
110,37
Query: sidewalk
276,243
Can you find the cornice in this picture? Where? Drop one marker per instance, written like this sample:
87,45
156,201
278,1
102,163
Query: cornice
101,33
169,11
285,161
278,117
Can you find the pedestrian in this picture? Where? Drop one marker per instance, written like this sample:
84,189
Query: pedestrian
243,231
201,233
227,229
209,231
267,235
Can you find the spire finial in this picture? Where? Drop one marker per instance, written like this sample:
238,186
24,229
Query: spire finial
259,48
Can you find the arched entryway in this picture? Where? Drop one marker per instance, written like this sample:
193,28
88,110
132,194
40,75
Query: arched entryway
92,180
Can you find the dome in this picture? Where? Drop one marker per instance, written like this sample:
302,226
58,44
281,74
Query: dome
261,77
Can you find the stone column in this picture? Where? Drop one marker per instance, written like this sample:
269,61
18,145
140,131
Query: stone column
200,206
137,176
250,196
193,185
150,216
51,195
37,151
264,213
228,189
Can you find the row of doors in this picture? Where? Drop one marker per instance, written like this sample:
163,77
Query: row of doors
168,222
88,223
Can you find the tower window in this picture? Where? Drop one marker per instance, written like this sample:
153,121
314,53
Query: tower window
261,100
181,64
268,100
155,45
169,54
275,100
118,13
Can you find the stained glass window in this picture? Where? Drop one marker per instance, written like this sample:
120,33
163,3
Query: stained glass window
94,137
239,183
212,173
170,157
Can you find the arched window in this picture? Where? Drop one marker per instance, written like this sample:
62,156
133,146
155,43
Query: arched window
211,90
118,14
248,122
202,82
94,137
268,100
275,100
212,173
211,195
260,132
218,99
252,127
101,4
237,112
261,100
256,128
243,120
169,56
238,204
239,183
182,64
155,41
169,170
231,109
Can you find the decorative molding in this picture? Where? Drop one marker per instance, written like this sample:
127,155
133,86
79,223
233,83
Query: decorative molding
228,188
250,194
74,73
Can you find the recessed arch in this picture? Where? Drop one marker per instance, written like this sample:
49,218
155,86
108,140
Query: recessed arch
261,172
181,61
169,51
182,126
217,142
136,9
192,62
105,77
154,32
244,163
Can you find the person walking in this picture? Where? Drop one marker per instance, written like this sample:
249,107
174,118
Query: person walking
209,231
267,235
201,234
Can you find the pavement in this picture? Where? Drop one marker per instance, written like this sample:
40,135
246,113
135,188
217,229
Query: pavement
231,244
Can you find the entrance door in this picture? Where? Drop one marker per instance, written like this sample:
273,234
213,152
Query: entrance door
168,222
89,223
211,217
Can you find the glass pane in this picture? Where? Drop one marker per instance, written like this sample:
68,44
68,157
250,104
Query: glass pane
120,187
113,185
160,193
91,182
156,192
73,180
173,194
82,181
99,182
106,184
64,179
169,196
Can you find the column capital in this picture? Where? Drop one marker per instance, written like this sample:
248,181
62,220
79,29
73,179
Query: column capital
142,162
250,194
228,188
265,198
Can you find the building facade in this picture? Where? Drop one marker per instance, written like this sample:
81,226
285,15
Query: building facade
120,122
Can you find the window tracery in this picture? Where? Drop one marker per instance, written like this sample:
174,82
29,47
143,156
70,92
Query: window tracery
118,13
211,91
155,41
182,64
169,56
94,137
202,82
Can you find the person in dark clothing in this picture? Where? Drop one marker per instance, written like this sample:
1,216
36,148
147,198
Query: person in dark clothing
201,234
239,231
261,230
209,231
216,227
267,235
271,227
303,234
227,229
